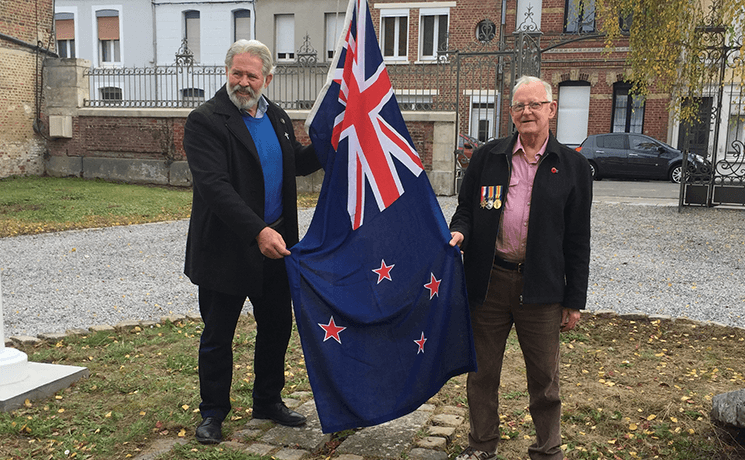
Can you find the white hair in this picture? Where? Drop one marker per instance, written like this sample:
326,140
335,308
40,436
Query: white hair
526,80
255,48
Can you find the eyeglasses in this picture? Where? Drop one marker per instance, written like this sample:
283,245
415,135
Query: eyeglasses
519,107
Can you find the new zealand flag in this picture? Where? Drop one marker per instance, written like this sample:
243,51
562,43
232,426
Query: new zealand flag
379,295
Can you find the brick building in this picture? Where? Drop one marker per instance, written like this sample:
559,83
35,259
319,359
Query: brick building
25,37
446,58
588,81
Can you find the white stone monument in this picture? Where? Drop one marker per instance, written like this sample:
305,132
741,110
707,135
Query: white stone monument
13,363
21,380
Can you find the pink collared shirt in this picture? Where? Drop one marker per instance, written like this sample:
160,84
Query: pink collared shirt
513,230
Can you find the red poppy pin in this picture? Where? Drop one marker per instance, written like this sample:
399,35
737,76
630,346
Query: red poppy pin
554,170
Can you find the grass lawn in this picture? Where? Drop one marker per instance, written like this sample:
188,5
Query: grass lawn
631,390
32,204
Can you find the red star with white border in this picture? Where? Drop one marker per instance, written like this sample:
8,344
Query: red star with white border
331,330
433,286
384,272
420,342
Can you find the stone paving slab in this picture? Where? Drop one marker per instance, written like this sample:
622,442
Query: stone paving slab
349,457
427,454
308,436
387,440
446,432
291,454
260,449
433,442
447,420
158,448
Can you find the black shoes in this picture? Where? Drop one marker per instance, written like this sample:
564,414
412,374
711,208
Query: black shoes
209,431
279,413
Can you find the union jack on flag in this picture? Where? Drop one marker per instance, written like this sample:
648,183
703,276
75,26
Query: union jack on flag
379,295
365,90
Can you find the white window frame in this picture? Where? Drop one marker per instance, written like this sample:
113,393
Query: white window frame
436,12
476,113
573,114
68,47
194,43
333,28
532,23
112,48
573,18
250,22
634,103
395,13
284,54
94,33
74,11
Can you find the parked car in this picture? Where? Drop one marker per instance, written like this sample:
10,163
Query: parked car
467,144
637,156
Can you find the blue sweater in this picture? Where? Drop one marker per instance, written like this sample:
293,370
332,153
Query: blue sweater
270,154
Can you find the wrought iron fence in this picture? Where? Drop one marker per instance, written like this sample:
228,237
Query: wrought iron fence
294,85
158,86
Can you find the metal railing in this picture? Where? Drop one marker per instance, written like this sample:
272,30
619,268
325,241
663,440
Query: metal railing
294,85
158,86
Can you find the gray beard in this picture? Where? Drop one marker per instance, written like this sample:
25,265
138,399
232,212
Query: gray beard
241,101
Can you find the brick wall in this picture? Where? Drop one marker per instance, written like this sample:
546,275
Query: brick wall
151,138
21,150
161,138
584,60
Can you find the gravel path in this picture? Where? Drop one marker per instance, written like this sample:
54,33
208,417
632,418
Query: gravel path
648,259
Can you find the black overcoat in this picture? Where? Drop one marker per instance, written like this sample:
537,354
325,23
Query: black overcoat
228,206
557,257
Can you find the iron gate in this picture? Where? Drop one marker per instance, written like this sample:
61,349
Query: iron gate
718,132
484,74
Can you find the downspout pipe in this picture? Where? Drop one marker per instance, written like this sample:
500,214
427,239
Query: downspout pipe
28,45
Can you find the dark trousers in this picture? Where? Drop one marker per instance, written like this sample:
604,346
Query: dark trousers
220,312
537,327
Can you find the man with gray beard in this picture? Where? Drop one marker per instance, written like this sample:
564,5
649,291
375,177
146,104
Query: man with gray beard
243,157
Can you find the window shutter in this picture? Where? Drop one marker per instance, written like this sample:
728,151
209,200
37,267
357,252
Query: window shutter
108,28
242,24
65,29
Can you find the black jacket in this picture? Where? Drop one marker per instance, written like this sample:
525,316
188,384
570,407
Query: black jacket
557,255
228,206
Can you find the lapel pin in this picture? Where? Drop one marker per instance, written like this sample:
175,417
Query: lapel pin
287,136
554,170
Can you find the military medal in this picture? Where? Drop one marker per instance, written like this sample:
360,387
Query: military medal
497,194
490,196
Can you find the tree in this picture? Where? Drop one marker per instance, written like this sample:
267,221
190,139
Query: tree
677,46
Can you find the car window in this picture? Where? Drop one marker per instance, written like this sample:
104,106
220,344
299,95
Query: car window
612,141
642,143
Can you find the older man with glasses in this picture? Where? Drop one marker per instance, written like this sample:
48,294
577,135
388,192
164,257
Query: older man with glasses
523,224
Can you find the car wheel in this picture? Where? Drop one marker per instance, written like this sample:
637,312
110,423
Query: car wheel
594,171
676,173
